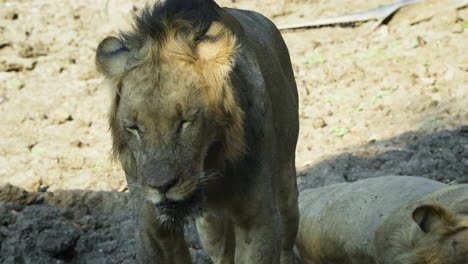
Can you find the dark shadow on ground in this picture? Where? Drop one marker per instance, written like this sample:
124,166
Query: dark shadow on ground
440,155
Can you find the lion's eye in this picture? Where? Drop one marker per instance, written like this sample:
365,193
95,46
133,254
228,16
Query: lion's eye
182,125
135,130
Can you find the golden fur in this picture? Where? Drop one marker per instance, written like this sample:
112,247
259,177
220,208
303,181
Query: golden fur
409,246
211,59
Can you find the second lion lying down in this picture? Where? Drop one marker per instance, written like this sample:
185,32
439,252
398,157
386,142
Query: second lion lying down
386,220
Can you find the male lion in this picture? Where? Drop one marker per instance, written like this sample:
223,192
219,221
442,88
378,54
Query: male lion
204,121
386,220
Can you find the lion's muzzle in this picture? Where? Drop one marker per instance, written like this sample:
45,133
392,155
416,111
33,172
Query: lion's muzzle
175,214
159,175
162,185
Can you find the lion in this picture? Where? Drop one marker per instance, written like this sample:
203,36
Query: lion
204,120
384,220
432,230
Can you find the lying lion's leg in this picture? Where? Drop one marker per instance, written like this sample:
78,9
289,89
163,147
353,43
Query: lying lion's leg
257,232
217,233
156,244
289,210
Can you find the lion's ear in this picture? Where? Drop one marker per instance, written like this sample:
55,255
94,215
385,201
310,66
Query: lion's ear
111,57
433,217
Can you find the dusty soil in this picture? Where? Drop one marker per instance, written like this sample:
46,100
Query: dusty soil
356,84
368,97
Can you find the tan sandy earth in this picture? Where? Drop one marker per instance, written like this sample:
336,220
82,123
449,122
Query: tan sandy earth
356,84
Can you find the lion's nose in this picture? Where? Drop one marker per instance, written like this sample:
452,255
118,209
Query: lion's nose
163,186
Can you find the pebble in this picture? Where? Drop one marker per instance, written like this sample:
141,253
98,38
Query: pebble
319,123
458,28
43,188
3,99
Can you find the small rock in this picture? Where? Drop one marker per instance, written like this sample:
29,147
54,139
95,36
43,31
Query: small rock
16,64
77,143
433,89
31,146
316,44
26,51
32,51
43,188
319,123
11,15
61,116
38,200
458,28
3,99
380,107
421,42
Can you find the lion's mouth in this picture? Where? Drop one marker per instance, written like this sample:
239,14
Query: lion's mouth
177,213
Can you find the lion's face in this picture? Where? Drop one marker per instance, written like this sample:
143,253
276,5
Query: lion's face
168,130
445,238
172,102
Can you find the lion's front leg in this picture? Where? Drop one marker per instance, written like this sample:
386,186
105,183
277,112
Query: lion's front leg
217,233
156,244
258,237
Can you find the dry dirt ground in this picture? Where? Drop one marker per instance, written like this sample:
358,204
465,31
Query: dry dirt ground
368,97
356,84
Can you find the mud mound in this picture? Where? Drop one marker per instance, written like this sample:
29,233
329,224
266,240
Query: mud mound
65,227
71,227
